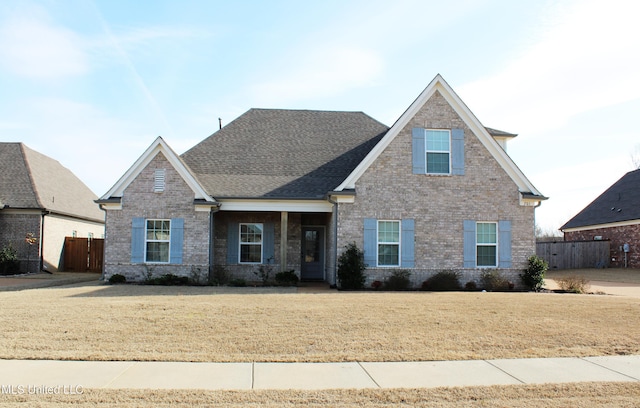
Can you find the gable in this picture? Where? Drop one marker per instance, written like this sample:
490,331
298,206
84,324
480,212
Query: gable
158,148
419,116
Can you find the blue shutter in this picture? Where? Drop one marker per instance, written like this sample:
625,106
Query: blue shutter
504,244
408,244
419,152
268,243
469,245
177,239
457,151
233,235
370,241
137,240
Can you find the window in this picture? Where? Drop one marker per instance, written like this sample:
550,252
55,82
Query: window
388,243
158,238
486,244
438,151
251,243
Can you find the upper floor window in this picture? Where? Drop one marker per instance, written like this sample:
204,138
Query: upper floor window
158,238
251,243
438,144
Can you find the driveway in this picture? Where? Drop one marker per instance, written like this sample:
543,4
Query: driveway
43,280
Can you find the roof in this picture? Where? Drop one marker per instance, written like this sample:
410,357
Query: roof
31,180
499,133
438,84
279,153
619,203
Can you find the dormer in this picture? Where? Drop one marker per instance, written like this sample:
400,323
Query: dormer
501,137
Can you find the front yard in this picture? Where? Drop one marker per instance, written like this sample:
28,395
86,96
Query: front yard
132,322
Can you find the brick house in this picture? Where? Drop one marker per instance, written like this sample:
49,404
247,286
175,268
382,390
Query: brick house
290,188
39,196
614,216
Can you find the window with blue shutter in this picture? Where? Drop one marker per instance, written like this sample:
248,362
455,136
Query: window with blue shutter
389,243
469,244
268,243
457,152
418,151
487,244
437,151
250,243
370,241
177,239
504,244
137,240
408,243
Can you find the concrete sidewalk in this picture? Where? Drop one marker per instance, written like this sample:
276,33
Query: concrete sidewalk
76,375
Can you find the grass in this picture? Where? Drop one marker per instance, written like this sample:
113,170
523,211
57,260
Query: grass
603,275
151,323
527,396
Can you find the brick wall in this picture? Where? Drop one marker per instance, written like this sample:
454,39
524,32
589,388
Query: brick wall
438,204
176,201
628,234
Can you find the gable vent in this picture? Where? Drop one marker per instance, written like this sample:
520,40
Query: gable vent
158,182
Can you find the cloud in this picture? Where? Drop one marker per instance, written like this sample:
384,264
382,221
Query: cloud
322,72
586,59
32,46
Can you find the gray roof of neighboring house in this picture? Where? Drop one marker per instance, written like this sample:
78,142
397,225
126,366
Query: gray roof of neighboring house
278,153
31,180
499,133
621,202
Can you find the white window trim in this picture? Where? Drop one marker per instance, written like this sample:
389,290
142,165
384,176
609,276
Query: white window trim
426,160
146,241
495,245
240,243
399,243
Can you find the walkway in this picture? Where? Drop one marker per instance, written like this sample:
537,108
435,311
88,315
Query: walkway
76,375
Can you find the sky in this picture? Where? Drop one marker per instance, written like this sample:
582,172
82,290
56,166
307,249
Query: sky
92,83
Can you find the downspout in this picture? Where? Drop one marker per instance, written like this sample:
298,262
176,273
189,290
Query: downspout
41,245
104,247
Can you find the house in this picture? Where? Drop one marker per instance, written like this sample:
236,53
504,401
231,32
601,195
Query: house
45,201
613,216
291,188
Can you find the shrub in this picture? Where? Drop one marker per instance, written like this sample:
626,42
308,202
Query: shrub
399,280
264,272
376,284
444,280
533,276
239,282
574,284
470,286
288,278
219,276
9,260
351,268
168,279
492,280
117,278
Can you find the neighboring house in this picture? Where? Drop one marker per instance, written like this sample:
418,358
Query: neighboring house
614,216
42,198
291,188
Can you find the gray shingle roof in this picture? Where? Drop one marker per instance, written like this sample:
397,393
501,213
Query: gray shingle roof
620,202
31,180
499,133
277,153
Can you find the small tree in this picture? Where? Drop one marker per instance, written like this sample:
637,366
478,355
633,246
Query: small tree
533,276
351,268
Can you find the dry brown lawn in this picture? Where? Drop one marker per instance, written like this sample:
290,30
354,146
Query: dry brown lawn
526,396
131,322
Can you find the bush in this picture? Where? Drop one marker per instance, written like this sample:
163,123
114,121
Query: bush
470,286
443,281
376,284
220,276
288,278
574,284
399,280
351,268
168,279
533,276
492,280
239,282
9,264
117,278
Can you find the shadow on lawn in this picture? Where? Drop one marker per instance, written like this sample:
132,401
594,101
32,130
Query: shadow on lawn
133,290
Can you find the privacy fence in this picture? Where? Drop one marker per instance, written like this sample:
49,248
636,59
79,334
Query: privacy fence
575,254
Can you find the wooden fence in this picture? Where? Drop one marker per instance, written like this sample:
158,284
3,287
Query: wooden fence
83,254
575,254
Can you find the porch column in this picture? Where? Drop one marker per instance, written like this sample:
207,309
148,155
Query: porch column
284,221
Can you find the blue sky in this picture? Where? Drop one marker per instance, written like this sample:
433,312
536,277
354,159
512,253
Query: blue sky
92,83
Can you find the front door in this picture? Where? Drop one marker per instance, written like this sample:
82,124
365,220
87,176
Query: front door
312,267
